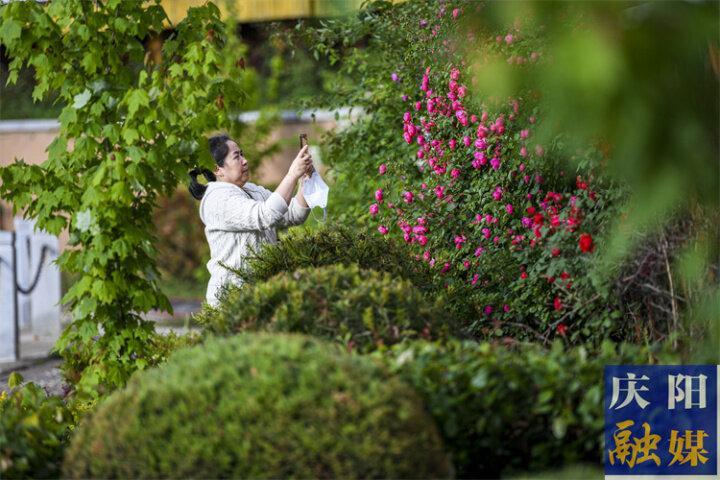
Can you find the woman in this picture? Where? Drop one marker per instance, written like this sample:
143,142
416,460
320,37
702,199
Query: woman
240,216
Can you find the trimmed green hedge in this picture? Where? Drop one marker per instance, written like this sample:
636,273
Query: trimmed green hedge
260,406
337,243
507,410
331,244
362,309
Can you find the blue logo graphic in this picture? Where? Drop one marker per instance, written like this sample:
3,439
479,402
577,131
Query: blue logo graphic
661,420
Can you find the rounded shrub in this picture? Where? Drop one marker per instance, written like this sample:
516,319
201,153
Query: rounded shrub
331,244
362,309
260,406
337,243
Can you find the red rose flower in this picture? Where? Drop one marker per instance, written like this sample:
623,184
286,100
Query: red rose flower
580,184
557,304
555,252
523,275
586,243
561,329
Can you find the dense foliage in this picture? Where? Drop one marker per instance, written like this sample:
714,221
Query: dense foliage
34,430
509,408
362,309
260,406
137,109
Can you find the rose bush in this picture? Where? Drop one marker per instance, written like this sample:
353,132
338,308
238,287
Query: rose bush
460,178
486,208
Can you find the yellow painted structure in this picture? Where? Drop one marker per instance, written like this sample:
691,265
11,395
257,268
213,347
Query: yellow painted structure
264,10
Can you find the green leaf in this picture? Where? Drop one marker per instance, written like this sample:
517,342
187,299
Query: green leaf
135,154
121,25
83,32
39,90
176,70
135,99
12,77
81,99
67,116
99,175
15,380
130,135
57,147
90,62
9,31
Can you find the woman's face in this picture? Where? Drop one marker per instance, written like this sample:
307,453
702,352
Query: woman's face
236,169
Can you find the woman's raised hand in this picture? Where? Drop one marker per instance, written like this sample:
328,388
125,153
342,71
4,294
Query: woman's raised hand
302,163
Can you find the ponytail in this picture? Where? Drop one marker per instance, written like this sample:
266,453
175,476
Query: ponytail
197,190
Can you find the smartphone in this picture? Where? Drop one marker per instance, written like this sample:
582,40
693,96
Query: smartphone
303,142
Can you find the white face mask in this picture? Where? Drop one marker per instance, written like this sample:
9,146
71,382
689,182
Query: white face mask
315,191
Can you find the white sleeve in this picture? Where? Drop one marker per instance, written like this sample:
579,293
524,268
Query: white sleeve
295,215
240,213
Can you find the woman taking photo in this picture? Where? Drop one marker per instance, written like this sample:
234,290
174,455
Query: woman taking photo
240,216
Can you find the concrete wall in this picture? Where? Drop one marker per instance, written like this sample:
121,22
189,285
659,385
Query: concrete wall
28,139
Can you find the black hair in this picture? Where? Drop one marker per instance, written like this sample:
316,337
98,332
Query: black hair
197,190
218,150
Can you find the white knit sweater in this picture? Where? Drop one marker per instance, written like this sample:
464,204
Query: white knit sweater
237,222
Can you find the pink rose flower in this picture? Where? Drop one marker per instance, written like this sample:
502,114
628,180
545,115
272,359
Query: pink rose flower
497,194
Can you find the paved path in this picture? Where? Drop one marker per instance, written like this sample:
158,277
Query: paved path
45,373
